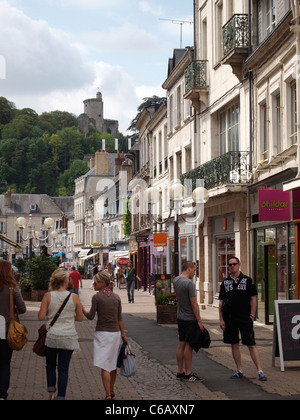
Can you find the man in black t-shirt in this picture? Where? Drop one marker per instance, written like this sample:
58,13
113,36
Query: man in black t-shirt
238,304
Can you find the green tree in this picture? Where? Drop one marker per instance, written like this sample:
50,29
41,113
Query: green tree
6,110
66,180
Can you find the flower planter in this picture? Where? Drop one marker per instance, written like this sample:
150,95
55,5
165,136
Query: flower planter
26,295
37,295
166,314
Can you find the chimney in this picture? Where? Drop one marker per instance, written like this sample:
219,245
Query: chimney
92,162
102,163
7,198
118,163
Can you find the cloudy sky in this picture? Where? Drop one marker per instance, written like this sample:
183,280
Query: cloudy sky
54,54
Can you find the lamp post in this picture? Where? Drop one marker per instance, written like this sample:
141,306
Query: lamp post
34,236
200,197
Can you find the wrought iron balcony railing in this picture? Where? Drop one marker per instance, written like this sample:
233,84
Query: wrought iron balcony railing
196,76
236,34
231,168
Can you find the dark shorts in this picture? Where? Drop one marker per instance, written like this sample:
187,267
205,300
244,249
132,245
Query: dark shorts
234,327
185,329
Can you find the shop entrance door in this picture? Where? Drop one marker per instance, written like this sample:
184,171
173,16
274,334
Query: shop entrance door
270,282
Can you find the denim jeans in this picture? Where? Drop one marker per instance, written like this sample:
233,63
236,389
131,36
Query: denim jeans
60,359
130,290
5,359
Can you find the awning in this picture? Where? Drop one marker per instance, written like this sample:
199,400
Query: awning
57,255
8,241
88,257
84,252
118,254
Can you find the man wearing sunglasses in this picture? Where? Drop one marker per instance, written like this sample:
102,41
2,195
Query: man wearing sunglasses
238,304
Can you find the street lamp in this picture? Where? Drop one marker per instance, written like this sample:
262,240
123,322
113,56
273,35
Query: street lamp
200,197
35,235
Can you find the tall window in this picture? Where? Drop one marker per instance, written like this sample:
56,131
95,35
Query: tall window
294,116
271,15
264,139
219,31
229,129
277,124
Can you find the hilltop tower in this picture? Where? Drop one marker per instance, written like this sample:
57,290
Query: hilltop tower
94,116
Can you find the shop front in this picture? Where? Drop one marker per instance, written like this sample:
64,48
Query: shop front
223,248
275,267
274,238
187,246
144,260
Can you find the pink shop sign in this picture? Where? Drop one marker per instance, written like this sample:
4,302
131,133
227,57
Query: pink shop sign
274,206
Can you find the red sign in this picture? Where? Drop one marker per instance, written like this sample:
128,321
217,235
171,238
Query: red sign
123,261
274,206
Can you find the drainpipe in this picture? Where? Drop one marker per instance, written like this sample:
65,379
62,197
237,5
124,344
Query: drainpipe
251,132
295,27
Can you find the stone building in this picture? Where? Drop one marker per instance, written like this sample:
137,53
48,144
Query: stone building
93,116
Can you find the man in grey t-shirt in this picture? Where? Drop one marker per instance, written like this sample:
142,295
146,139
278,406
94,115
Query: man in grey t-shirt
189,318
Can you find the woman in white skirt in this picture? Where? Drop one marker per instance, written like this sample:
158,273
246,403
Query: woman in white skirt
109,330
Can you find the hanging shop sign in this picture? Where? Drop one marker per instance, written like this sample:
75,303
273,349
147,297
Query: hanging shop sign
274,206
160,240
296,204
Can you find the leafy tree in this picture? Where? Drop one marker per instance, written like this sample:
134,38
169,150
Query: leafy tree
155,101
6,110
41,269
66,180
44,154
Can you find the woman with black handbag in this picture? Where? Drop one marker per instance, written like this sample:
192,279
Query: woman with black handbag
62,338
6,281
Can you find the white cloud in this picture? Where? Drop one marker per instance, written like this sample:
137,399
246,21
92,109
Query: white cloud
45,69
89,4
145,7
149,91
128,37
38,58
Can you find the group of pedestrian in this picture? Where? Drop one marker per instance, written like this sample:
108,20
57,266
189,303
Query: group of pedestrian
237,309
62,339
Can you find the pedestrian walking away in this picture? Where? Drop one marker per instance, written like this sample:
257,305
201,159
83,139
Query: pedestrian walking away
6,282
237,309
189,319
62,338
76,278
109,330
130,282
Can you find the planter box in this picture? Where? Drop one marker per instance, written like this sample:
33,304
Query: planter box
26,295
37,295
166,314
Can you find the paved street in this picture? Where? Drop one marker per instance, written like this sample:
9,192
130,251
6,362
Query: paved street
155,347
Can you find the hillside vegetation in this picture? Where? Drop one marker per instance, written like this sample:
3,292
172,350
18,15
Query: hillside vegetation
43,154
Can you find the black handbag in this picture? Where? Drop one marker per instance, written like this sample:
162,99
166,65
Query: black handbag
39,347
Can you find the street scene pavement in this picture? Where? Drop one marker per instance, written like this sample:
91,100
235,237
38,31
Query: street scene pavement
155,349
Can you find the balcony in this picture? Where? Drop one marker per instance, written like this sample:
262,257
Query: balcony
231,168
236,43
196,85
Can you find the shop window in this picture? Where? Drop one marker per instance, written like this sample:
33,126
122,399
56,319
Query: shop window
225,251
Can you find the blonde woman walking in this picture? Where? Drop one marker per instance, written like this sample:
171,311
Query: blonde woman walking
62,339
